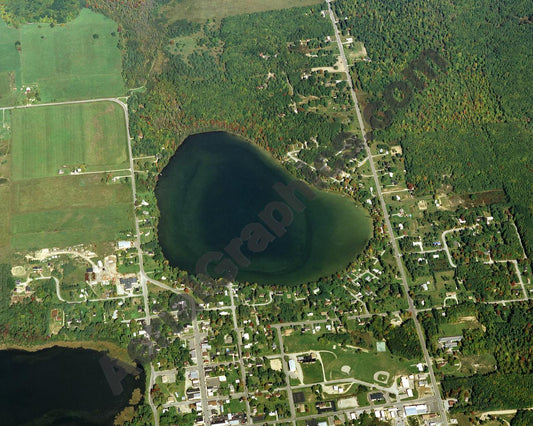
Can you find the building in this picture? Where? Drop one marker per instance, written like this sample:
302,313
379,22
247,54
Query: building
376,396
415,410
128,283
292,366
124,245
450,342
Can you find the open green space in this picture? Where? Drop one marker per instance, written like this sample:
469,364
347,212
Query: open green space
201,10
61,211
362,365
78,60
91,136
312,372
46,209
10,56
59,228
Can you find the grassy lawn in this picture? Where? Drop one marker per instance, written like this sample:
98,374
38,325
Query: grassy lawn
46,138
10,57
303,342
201,10
312,373
5,219
78,60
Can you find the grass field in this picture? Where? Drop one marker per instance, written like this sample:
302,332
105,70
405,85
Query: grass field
312,373
46,138
63,211
67,61
201,10
8,52
43,209
362,365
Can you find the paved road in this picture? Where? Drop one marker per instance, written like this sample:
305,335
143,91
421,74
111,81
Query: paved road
239,351
142,274
286,371
386,217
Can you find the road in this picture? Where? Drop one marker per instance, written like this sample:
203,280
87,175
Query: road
239,351
142,274
286,371
386,217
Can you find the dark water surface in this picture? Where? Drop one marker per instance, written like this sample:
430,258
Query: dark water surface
216,184
59,386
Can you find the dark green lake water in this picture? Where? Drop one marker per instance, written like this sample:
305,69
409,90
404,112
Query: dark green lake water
59,386
216,184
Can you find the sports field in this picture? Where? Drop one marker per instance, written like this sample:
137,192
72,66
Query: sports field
78,60
201,10
89,135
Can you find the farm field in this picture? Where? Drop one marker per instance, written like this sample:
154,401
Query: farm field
201,10
63,211
77,60
46,138
45,209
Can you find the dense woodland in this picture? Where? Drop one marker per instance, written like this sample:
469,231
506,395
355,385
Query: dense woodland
470,125
18,12
505,333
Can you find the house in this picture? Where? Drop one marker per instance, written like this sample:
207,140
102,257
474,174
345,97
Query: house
128,282
376,396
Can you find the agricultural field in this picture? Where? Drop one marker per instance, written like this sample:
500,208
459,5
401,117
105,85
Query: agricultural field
52,209
201,10
68,210
89,136
78,60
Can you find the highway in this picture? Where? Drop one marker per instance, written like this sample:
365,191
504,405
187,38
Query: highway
386,217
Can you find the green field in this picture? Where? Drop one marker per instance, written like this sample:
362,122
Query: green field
201,10
312,373
63,211
45,209
362,365
78,60
46,138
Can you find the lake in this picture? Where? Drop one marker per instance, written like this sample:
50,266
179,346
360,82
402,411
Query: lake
227,207
60,386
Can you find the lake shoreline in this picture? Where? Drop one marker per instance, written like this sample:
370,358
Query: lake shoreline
206,165
113,350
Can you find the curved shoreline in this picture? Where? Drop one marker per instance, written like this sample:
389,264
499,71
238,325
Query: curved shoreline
111,349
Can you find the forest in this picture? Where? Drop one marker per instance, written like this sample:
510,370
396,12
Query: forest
469,126
17,12
505,333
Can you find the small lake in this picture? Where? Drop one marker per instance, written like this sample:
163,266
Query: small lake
59,386
217,184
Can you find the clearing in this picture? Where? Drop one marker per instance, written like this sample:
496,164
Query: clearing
64,211
202,10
